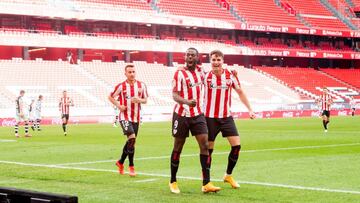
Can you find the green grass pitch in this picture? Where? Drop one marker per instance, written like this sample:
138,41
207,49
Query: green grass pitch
282,160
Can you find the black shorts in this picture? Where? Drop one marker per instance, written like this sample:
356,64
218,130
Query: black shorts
181,125
326,113
129,127
353,109
66,116
226,126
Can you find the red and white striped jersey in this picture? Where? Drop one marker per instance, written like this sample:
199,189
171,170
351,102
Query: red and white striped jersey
189,85
217,98
125,91
325,102
64,104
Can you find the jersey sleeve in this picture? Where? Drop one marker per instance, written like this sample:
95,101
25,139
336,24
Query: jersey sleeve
176,83
235,82
144,91
116,91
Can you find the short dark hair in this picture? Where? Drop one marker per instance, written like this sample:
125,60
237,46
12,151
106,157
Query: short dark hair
129,66
217,53
192,48
22,91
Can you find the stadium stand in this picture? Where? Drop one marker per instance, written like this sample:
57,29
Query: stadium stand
201,9
316,14
258,11
350,76
305,80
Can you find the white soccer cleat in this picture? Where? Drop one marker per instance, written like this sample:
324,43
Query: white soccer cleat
325,131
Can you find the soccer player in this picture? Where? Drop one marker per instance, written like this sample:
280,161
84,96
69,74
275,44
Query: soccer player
326,101
187,116
64,106
352,105
128,97
22,114
217,103
36,114
116,116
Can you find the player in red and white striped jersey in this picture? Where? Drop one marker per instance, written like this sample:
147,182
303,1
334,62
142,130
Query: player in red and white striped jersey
64,107
187,116
325,101
219,83
128,97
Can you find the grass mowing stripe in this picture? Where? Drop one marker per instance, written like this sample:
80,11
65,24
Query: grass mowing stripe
190,178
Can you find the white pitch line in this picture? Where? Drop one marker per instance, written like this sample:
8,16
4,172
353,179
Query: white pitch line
145,180
191,178
216,153
7,140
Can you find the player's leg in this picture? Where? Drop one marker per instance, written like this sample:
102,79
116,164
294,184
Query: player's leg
26,122
324,120
33,124
233,157
213,129
65,122
180,131
229,130
131,147
16,127
38,121
199,129
353,112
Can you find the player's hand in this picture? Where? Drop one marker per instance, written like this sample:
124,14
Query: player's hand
192,103
234,72
252,115
122,108
21,115
135,100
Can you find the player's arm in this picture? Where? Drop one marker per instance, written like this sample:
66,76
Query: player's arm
114,95
245,101
177,83
60,105
180,100
72,103
236,85
21,112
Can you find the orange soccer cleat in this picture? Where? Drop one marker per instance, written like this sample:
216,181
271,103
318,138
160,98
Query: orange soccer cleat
209,188
120,168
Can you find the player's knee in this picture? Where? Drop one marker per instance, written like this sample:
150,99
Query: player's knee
131,145
204,147
235,150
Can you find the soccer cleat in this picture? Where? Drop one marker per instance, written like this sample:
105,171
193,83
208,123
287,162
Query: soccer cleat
27,135
209,188
114,125
39,129
65,133
229,179
32,128
325,131
120,168
17,135
174,188
132,171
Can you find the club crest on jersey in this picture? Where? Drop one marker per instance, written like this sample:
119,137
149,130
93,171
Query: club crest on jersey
126,96
228,82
